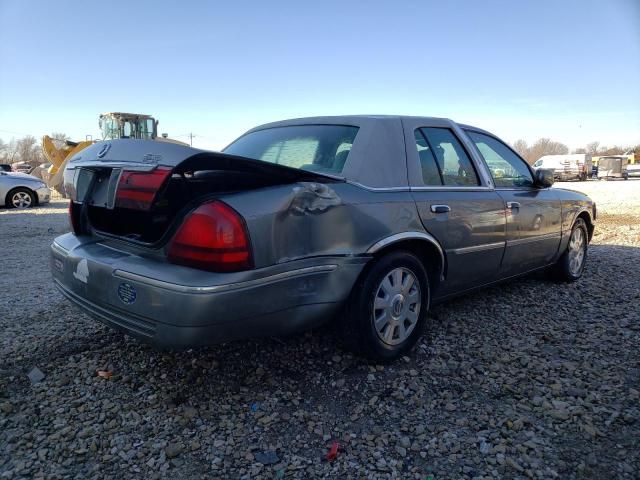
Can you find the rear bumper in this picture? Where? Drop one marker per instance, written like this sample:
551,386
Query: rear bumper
177,307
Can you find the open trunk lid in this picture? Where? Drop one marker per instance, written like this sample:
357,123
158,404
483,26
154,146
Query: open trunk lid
139,190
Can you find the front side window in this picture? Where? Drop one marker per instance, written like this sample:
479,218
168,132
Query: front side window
443,159
318,148
507,169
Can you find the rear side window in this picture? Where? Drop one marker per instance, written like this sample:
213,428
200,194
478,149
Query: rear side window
443,159
319,148
430,171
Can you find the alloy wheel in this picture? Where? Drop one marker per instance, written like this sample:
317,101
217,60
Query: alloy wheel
21,200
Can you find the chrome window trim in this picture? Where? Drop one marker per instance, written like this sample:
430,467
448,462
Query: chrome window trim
226,287
452,188
521,189
379,189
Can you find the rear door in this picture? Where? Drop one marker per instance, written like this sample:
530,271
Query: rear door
533,214
456,202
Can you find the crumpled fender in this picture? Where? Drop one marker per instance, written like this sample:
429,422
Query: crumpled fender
312,198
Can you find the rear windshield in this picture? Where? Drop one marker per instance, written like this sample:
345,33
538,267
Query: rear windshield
318,148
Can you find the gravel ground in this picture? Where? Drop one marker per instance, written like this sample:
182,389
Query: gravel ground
530,379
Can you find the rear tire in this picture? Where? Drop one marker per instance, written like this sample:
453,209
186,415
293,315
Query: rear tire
21,198
570,265
387,310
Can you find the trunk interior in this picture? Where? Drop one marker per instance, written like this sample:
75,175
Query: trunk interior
188,184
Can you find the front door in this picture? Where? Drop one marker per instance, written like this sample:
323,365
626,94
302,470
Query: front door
533,214
456,206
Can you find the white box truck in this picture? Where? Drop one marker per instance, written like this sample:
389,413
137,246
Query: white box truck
576,166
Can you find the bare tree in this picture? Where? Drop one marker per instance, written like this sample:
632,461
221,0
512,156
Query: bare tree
3,151
615,150
593,148
542,147
11,152
521,147
28,150
59,139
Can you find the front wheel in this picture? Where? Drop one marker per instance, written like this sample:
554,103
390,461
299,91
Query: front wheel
387,310
20,198
571,264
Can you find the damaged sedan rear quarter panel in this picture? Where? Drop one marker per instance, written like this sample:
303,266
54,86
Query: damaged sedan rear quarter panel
316,233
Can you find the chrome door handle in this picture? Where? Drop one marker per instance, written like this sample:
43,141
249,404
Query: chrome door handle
512,205
440,208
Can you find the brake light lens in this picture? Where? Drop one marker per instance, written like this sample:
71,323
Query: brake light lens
137,190
213,237
74,217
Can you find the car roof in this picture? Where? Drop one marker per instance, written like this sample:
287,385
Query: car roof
341,119
377,156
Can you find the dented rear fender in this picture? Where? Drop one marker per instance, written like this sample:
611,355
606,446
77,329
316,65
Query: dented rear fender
307,219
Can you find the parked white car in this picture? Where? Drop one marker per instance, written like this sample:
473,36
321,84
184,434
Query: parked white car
633,170
566,167
20,190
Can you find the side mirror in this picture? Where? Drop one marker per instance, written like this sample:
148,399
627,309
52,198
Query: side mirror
543,177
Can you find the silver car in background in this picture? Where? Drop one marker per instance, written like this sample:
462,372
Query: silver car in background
20,190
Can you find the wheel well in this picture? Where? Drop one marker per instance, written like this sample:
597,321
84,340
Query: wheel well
587,219
426,251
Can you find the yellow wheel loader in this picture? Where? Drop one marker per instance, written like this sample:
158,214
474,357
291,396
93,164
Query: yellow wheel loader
112,125
57,156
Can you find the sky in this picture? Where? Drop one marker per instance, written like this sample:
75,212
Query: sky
568,70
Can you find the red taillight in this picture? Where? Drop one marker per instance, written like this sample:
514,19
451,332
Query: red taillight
213,237
74,217
137,190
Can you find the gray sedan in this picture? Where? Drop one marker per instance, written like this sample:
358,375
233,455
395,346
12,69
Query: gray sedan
366,219
19,190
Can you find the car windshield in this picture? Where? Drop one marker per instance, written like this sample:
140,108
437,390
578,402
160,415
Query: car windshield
318,148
